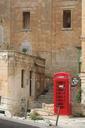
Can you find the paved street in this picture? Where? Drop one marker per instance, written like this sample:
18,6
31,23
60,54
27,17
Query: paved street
10,124
64,122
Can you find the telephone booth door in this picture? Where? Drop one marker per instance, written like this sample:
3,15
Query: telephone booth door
62,96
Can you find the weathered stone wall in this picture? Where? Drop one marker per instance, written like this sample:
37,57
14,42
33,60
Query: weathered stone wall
5,11
65,41
14,97
83,59
46,36
21,96
40,79
3,74
39,27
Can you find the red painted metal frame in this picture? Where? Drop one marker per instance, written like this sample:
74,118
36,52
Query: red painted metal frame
62,93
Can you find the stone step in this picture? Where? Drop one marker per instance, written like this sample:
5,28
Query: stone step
35,105
46,98
47,109
46,102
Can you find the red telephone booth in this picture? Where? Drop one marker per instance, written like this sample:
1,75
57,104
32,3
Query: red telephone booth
62,93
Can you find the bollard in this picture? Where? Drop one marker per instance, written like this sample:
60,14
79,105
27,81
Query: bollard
57,116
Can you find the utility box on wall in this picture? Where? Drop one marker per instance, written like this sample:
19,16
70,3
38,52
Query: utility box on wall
62,93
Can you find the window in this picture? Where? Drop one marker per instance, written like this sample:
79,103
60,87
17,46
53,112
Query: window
22,78
26,20
67,19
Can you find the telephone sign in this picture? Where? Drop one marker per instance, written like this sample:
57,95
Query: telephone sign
75,81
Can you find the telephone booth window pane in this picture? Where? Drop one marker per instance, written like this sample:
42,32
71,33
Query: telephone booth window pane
60,94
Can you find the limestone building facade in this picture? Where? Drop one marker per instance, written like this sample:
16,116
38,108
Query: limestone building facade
46,34
36,29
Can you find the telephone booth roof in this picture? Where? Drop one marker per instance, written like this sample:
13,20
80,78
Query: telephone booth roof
64,74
